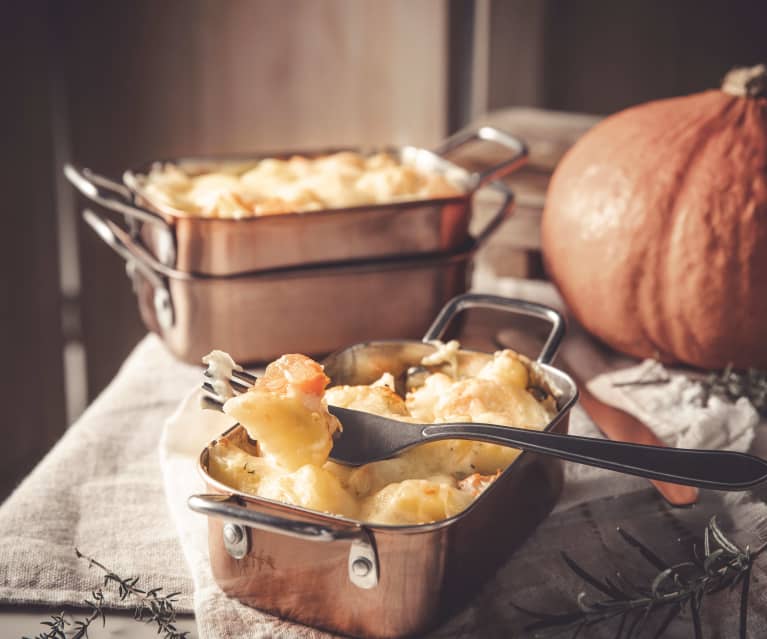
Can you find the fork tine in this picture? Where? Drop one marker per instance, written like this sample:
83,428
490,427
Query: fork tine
245,376
238,385
239,382
242,377
211,392
238,388
207,402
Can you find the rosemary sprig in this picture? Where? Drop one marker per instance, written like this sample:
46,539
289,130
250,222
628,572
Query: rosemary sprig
149,607
719,565
731,384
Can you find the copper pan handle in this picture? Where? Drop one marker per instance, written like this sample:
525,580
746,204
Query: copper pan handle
362,563
521,307
503,212
116,197
490,176
107,231
226,507
114,237
489,134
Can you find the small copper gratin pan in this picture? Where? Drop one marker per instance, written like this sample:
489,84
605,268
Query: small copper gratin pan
371,580
229,247
314,310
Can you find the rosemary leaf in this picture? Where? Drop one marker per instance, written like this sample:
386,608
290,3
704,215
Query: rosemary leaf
590,579
658,581
648,554
150,607
672,613
633,628
743,625
695,614
724,565
720,537
619,633
543,616
732,385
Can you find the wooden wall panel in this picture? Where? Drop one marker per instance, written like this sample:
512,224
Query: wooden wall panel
517,52
321,73
599,56
30,312
602,56
155,79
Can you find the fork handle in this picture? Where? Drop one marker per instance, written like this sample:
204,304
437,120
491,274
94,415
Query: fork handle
720,470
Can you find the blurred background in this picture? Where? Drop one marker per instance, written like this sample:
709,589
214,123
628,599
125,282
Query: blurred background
111,85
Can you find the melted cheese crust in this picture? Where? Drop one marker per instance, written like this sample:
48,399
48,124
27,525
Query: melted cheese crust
287,413
300,184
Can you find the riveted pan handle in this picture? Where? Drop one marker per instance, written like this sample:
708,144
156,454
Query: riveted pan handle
363,561
135,260
226,507
108,231
116,197
490,134
504,211
521,307
490,176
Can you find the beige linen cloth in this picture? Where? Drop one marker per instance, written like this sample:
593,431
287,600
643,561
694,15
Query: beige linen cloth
101,489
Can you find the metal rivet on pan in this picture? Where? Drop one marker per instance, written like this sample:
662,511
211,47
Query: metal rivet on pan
232,533
363,562
236,540
163,308
361,567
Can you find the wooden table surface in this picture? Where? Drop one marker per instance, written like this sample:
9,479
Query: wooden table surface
25,622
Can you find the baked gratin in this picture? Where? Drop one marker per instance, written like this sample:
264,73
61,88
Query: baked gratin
286,413
296,185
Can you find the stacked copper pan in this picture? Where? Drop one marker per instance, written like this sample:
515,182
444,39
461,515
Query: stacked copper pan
258,287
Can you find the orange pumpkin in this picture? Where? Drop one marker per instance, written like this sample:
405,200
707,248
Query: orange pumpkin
655,227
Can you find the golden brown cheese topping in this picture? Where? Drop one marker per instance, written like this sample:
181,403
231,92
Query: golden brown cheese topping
300,184
286,412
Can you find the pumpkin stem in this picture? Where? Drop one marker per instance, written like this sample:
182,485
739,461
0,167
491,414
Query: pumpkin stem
748,82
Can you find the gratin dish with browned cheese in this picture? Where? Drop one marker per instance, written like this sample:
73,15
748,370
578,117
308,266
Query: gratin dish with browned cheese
286,413
237,215
389,551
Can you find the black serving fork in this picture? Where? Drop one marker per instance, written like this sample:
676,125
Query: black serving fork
367,437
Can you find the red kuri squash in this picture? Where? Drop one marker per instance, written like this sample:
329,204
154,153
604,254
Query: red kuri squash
655,227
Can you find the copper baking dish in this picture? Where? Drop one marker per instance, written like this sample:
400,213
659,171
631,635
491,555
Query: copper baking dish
221,246
371,580
316,310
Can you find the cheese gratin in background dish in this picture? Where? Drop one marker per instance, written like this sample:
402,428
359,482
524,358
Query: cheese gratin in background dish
298,184
286,413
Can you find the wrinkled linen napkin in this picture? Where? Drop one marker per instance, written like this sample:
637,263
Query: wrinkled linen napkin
100,489
583,524
674,406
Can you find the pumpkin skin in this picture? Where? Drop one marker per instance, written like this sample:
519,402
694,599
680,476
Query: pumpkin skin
655,229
